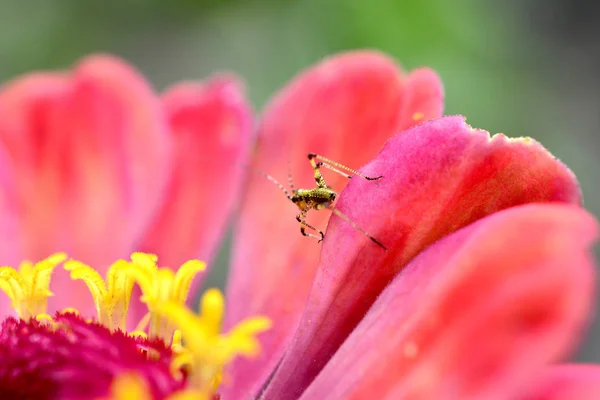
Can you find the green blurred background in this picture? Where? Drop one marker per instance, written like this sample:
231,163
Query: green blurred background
525,68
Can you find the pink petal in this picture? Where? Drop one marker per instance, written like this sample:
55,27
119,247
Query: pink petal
438,177
567,382
90,154
211,134
344,109
9,245
475,316
423,98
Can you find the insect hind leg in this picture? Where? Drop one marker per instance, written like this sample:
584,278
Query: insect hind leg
337,167
355,226
303,225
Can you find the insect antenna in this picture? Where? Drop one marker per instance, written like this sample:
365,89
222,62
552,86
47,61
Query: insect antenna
289,171
355,226
270,178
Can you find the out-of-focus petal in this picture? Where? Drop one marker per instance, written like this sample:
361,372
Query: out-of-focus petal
423,98
211,132
567,382
344,109
477,315
438,177
90,155
9,245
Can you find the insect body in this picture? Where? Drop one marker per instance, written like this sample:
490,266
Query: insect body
320,197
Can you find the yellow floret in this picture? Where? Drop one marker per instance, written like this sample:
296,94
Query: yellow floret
112,297
207,350
161,285
29,287
131,386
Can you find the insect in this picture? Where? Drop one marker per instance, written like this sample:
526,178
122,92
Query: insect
320,197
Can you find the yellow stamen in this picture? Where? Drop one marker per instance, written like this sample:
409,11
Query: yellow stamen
211,351
70,310
44,317
48,320
176,343
182,358
28,288
131,386
111,298
187,395
161,285
140,334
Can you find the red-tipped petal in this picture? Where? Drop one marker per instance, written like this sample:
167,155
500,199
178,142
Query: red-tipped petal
90,154
567,382
344,108
477,315
211,131
437,177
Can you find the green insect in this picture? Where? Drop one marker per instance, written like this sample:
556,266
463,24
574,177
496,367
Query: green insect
321,197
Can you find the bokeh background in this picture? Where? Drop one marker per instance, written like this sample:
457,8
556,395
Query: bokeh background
522,67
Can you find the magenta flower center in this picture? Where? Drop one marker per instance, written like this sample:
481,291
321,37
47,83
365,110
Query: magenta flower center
75,359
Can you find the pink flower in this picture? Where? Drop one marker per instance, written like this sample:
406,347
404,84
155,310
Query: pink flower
485,282
94,164
487,279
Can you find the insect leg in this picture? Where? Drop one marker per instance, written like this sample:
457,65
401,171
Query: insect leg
355,226
315,166
337,167
303,225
